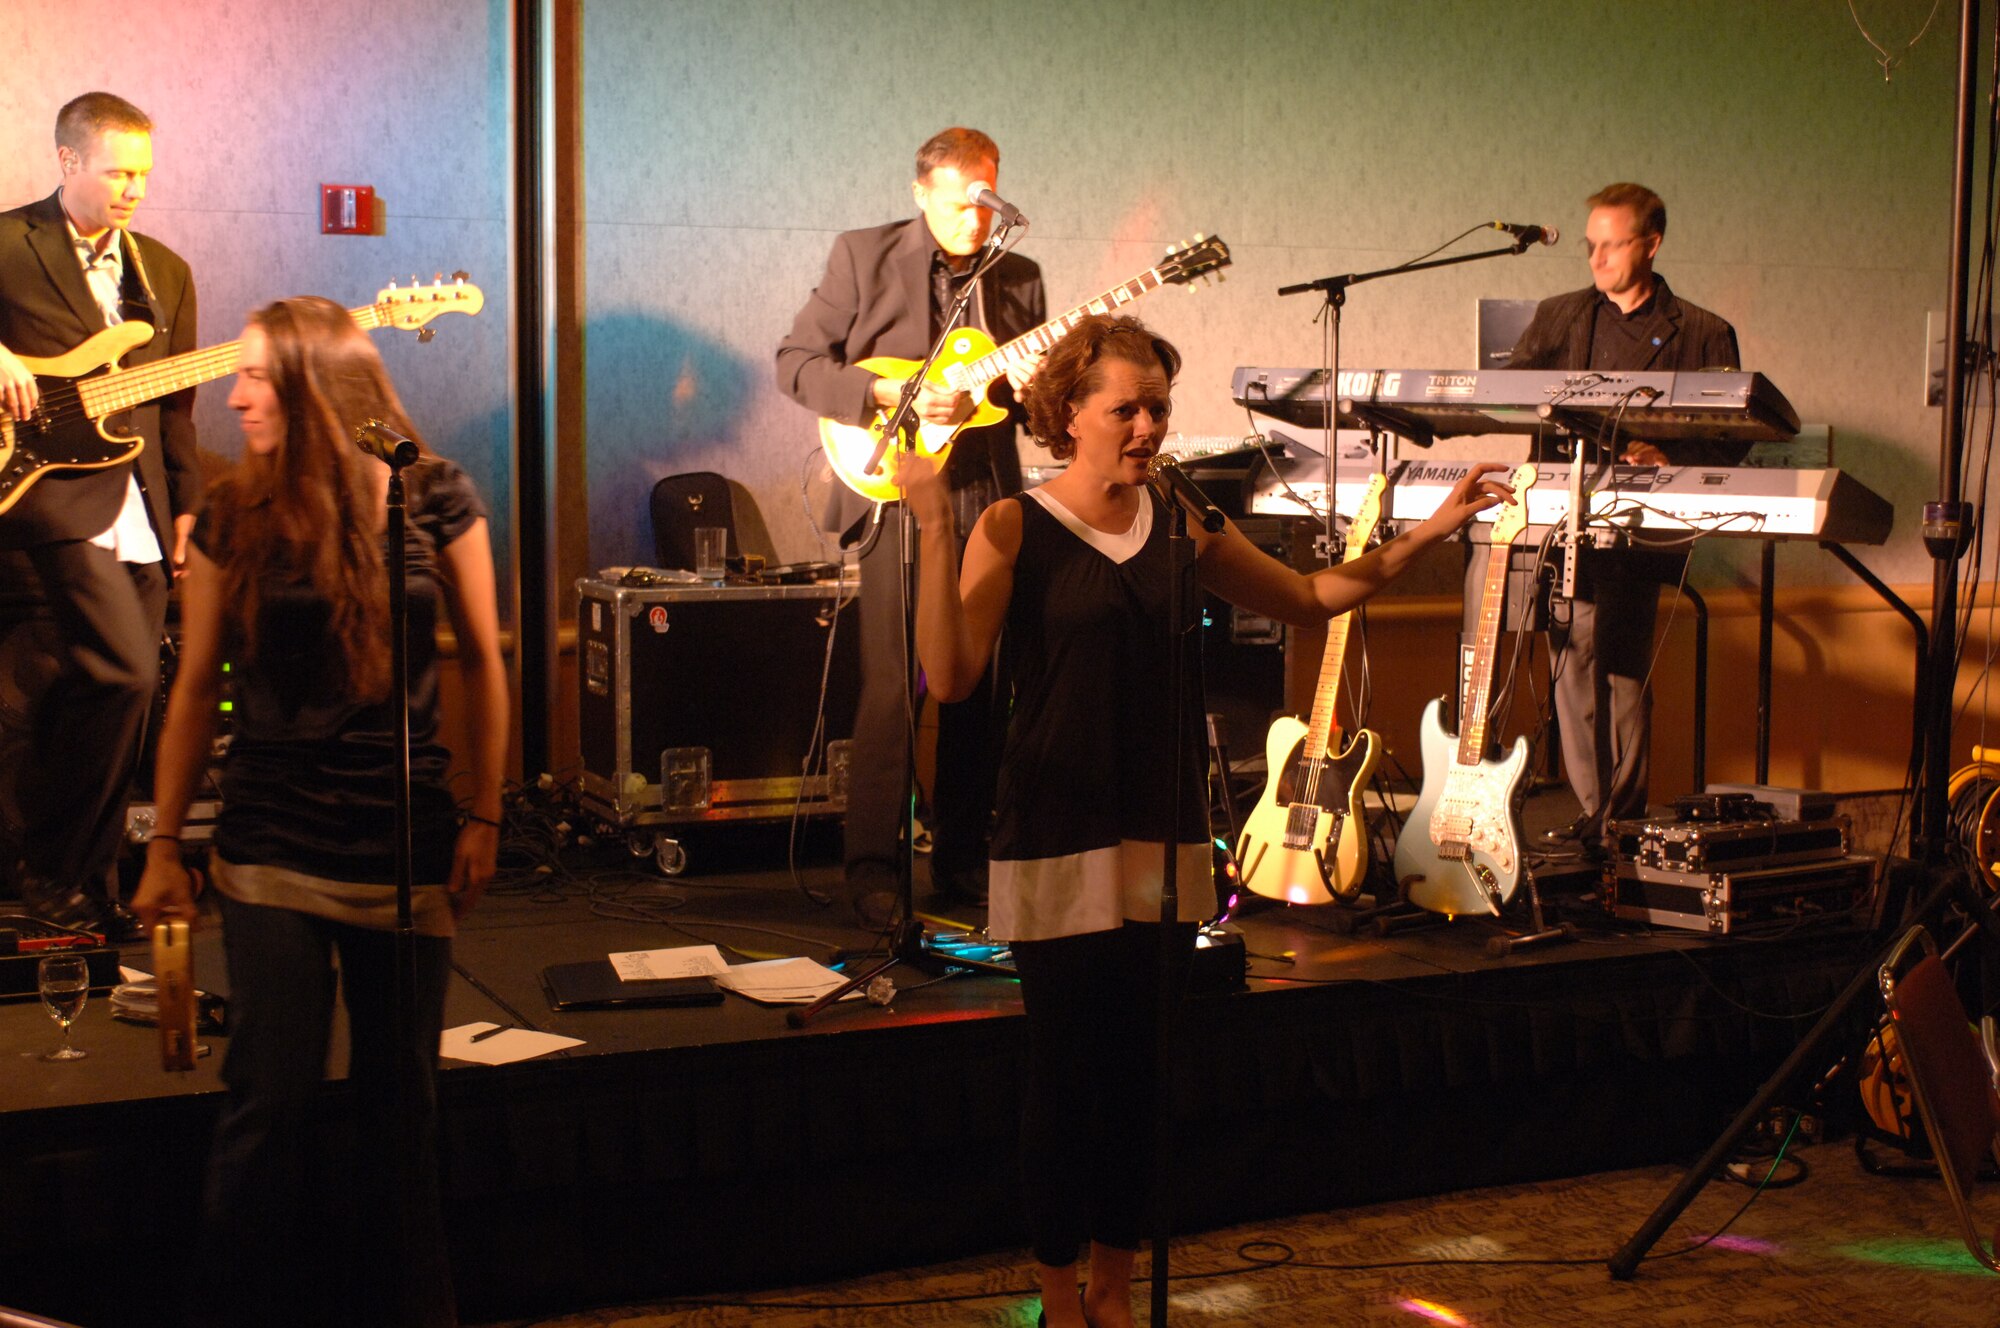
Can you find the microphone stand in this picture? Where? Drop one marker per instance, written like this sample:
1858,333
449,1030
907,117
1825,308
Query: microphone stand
901,430
412,1061
1335,291
1180,601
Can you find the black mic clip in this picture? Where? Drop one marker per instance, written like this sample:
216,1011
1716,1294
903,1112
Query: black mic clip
1164,473
385,444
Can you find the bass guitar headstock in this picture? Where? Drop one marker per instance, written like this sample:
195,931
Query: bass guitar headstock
412,307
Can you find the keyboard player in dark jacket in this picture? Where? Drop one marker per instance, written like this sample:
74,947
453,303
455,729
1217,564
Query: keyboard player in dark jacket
1626,319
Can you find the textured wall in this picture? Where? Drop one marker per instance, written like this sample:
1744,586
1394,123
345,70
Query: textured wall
728,140
255,105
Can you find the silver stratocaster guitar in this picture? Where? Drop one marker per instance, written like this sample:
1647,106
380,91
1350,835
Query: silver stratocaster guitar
1460,850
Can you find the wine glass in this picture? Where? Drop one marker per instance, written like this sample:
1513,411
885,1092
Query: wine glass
65,985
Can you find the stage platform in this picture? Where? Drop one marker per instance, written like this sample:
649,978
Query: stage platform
715,1148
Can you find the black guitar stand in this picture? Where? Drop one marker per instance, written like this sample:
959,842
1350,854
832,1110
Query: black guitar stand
1539,932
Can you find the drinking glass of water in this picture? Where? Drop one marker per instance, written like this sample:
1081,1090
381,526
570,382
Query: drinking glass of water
65,986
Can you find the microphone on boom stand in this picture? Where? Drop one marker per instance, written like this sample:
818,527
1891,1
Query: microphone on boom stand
1164,473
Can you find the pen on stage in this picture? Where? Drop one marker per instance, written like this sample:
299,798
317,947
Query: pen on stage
483,1034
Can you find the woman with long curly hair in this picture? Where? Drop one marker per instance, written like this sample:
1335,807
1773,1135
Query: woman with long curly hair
287,583
1077,573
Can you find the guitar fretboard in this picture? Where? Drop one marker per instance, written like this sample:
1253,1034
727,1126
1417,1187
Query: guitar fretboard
122,389
976,374
1477,694
1319,733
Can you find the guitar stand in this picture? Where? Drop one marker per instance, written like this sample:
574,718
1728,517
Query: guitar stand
1540,933
1396,916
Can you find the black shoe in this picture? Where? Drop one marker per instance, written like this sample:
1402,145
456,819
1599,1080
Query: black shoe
876,908
42,898
1583,830
121,926
960,885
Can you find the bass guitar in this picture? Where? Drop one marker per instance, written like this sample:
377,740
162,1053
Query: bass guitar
1460,850
971,362
1305,841
74,425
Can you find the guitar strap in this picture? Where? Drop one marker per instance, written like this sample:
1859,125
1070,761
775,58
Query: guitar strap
157,319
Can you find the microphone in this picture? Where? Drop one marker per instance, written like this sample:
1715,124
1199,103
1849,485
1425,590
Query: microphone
1527,234
386,444
1164,473
981,193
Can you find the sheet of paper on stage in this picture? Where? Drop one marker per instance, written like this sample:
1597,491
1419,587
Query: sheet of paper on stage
796,981
515,1044
685,961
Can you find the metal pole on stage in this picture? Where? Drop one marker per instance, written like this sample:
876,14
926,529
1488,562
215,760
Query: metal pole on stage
1948,521
531,339
1947,529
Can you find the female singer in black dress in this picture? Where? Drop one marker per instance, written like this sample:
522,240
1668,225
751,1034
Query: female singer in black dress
1076,572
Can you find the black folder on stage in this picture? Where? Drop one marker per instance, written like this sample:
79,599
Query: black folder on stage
592,984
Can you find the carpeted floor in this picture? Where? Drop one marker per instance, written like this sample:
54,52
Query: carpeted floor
1839,1247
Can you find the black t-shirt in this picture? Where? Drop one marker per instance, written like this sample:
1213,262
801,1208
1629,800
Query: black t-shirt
308,782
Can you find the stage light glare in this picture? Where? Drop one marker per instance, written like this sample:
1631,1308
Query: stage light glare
1938,1256
1435,1312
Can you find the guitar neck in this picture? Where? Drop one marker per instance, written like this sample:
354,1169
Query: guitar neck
977,373
1477,693
1319,734
122,389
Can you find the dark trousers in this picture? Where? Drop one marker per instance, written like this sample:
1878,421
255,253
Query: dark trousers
1088,1098
968,742
1601,644
90,723
1604,650
278,1208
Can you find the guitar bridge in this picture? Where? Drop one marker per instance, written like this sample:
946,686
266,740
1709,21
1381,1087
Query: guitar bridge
1300,822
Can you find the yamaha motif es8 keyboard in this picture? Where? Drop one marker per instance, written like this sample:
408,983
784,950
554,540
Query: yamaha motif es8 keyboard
1426,404
1765,503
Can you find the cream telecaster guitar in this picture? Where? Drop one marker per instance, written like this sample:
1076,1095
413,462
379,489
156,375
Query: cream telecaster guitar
970,363
73,427
1305,841
1460,851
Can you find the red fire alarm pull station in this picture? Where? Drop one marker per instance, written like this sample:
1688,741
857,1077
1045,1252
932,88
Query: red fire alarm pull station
346,209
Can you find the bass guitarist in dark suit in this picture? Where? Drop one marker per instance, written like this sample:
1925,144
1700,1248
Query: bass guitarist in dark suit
885,293
1626,319
97,542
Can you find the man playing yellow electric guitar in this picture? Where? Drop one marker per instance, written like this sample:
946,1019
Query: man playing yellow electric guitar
884,296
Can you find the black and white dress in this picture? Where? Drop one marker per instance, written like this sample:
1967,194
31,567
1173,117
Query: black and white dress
1083,813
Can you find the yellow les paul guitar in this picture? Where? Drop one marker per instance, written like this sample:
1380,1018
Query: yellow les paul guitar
74,426
970,364
1305,841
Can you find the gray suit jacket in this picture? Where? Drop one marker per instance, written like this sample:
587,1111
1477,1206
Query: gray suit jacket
875,300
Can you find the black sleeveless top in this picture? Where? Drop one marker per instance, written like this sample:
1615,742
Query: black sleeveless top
1088,761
